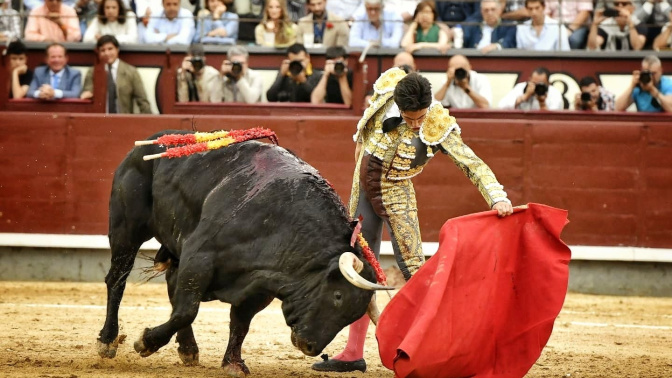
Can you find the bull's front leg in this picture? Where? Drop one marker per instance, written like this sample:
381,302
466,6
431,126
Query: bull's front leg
241,316
194,276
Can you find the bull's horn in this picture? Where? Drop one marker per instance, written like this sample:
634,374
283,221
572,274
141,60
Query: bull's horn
373,311
346,264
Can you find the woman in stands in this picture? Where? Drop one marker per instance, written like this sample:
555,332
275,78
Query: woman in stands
275,28
216,25
424,32
113,19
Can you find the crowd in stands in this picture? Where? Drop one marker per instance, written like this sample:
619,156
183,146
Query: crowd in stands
408,25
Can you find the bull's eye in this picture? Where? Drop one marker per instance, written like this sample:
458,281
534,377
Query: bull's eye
338,298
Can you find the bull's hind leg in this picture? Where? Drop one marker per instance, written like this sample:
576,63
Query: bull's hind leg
193,277
241,316
187,349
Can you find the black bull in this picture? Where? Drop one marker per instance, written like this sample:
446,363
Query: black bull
243,224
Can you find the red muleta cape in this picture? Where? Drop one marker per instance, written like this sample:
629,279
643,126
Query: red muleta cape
485,303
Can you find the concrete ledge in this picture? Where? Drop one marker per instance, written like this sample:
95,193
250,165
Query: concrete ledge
592,253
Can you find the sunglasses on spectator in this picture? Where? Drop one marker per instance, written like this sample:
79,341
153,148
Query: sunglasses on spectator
622,3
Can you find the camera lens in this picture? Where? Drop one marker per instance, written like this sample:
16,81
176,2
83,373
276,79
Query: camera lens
339,67
585,96
645,77
236,68
295,67
540,89
460,74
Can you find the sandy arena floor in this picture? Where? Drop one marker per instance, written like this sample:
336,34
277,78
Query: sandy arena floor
50,329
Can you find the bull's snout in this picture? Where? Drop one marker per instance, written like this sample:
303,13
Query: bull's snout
306,347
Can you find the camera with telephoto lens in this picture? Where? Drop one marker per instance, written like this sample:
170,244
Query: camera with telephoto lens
645,77
339,68
236,68
197,63
295,67
586,97
461,74
540,89
611,12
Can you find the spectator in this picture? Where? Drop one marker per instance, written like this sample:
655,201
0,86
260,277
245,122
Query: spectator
540,33
649,89
616,33
216,24
53,22
465,88
275,28
10,22
296,78
664,39
241,84
56,80
455,12
173,26
250,13
486,32
325,28
19,73
652,14
113,19
406,8
535,94
86,11
335,85
514,10
424,33
145,10
593,97
197,81
345,9
575,15
404,61
124,84
377,26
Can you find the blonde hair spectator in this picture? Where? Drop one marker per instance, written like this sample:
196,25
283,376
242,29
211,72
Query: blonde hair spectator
275,28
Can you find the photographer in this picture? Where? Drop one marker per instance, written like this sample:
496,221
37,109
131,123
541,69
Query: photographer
614,29
593,97
335,85
648,89
197,81
464,88
535,94
296,79
240,84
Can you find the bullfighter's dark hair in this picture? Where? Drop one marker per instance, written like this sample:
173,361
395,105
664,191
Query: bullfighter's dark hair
296,49
336,52
16,47
586,81
121,17
107,39
543,71
413,93
46,51
543,3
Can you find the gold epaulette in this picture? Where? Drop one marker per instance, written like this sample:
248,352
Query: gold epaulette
383,90
437,125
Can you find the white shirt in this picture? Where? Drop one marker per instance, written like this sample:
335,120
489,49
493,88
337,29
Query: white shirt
125,33
547,40
344,8
553,99
456,97
486,39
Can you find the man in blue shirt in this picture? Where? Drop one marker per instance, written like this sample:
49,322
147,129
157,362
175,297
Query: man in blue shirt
649,89
173,26
377,26
541,33
485,30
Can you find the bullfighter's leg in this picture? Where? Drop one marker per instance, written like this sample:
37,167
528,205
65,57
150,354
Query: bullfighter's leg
241,316
188,348
193,277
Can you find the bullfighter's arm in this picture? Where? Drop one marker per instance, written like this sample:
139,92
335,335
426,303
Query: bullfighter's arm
474,168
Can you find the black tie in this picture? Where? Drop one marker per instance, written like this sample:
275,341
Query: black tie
111,91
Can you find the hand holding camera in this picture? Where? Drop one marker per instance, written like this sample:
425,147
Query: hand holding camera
296,70
584,101
233,70
461,78
537,89
336,68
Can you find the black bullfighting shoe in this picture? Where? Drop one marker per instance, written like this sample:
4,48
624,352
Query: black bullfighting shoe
339,366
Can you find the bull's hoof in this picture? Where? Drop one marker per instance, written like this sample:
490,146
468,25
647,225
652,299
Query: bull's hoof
188,359
140,347
110,350
236,369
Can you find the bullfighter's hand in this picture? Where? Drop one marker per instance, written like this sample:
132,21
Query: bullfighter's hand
503,208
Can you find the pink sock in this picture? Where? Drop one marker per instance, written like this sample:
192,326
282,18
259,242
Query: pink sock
354,349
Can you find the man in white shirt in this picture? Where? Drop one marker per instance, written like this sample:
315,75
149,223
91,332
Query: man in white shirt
540,32
465,88
240,83
376,26
345,9
173,26
535,94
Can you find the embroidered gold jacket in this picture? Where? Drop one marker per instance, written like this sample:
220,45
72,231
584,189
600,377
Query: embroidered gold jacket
405,152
